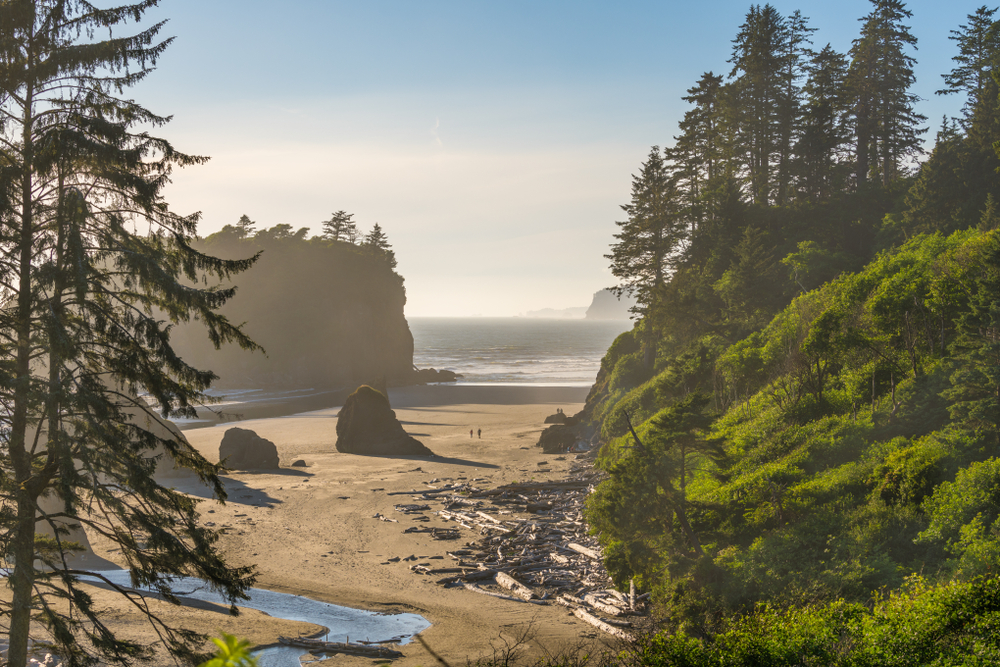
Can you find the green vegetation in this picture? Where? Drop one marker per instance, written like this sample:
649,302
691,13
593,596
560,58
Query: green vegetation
232,652
802,431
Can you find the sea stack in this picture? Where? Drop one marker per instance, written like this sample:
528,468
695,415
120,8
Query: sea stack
242,449
367,425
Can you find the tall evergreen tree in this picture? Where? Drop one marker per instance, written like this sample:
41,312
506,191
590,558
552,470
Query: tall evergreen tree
887,127
85,331
825,133
341,227
794,69
377,243
698,151
759,58
245,227
650,240
978,48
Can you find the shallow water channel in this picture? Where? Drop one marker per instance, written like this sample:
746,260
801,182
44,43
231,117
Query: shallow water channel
342,623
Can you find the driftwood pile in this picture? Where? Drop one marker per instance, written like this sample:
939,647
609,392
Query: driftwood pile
532,546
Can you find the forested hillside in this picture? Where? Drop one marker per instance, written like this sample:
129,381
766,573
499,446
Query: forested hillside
808,408
327,310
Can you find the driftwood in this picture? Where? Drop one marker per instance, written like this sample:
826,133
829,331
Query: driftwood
531,539
597,603
580,549
476,589
515,586
586,617
318,646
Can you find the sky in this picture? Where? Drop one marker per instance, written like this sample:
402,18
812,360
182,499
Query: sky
493,141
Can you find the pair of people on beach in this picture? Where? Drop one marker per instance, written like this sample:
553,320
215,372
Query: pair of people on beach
479,432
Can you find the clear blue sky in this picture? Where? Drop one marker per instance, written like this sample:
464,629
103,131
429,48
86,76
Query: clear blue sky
493,141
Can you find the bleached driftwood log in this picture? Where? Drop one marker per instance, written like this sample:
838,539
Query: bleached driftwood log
580,549
515,586
482,591
601,605
587,617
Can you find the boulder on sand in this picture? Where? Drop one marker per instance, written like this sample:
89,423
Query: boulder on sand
242,449
557,439
367,425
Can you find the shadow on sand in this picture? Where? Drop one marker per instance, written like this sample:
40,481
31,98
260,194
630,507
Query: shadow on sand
238,491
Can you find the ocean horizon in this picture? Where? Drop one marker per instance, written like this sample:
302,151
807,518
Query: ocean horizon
515,350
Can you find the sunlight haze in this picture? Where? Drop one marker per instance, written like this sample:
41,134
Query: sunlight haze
493,143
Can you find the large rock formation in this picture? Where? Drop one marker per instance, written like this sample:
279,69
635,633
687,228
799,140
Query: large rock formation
242,449
367,425
328,314
606,306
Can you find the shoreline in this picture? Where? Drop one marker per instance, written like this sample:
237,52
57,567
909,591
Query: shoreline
245,405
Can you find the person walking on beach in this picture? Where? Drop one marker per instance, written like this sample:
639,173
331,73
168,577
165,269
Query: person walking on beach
470,432
480,433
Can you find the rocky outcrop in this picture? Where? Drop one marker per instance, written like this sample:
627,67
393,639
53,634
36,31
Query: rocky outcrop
328,314
558,418
606,306
367,425
557,439
242,449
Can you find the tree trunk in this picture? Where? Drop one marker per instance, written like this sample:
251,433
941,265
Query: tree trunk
22,580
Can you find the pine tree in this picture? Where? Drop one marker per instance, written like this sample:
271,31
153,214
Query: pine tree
824,128
698,152
758,64
881,73
747,285
978,49
85,331
245,227
650,239
377,243
795,66
341,227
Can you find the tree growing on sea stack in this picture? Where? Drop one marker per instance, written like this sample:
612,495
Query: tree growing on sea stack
377,243
88,303
341,227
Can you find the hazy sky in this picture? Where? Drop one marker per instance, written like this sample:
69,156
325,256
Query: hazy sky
493,141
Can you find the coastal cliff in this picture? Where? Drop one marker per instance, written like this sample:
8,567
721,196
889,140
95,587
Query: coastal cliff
328,314
607,306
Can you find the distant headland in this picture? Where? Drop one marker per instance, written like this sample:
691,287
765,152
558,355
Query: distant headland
604,306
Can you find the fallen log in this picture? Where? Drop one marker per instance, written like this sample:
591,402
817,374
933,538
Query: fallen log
580,549
586,617
599,604
515,586
476,589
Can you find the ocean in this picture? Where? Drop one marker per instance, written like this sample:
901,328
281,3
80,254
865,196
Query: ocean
515,350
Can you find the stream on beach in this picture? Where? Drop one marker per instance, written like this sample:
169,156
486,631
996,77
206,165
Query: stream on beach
342,623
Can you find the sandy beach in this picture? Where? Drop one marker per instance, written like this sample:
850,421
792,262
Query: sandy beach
311,530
